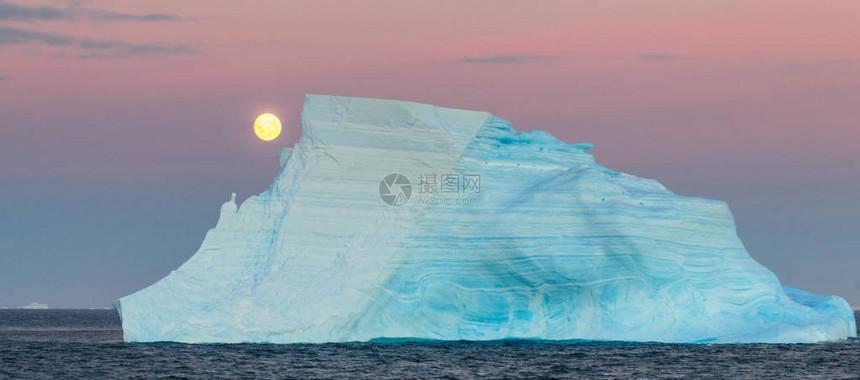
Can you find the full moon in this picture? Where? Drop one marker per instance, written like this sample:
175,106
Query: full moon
267,127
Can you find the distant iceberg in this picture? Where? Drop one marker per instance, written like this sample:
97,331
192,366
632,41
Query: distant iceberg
401,220
35,305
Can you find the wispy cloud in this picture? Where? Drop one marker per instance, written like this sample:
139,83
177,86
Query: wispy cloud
507,59
92,48
17,12
95,48
115,16
658,56
2,77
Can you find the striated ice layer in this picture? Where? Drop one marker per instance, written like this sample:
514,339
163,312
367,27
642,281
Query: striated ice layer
550,246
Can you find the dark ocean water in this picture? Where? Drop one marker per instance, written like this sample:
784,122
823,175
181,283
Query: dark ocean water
88,344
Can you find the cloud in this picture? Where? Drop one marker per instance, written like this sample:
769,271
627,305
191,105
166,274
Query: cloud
507,59
2,77
16,12
96,48
658,56
97,15
114,16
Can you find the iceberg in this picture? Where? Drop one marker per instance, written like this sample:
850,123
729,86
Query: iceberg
35,306
393,219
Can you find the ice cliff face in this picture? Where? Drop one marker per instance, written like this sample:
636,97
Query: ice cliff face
364,235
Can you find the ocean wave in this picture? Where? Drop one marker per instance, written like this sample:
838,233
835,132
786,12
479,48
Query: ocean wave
58,329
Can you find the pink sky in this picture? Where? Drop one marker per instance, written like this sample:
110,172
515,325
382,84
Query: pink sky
785,67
